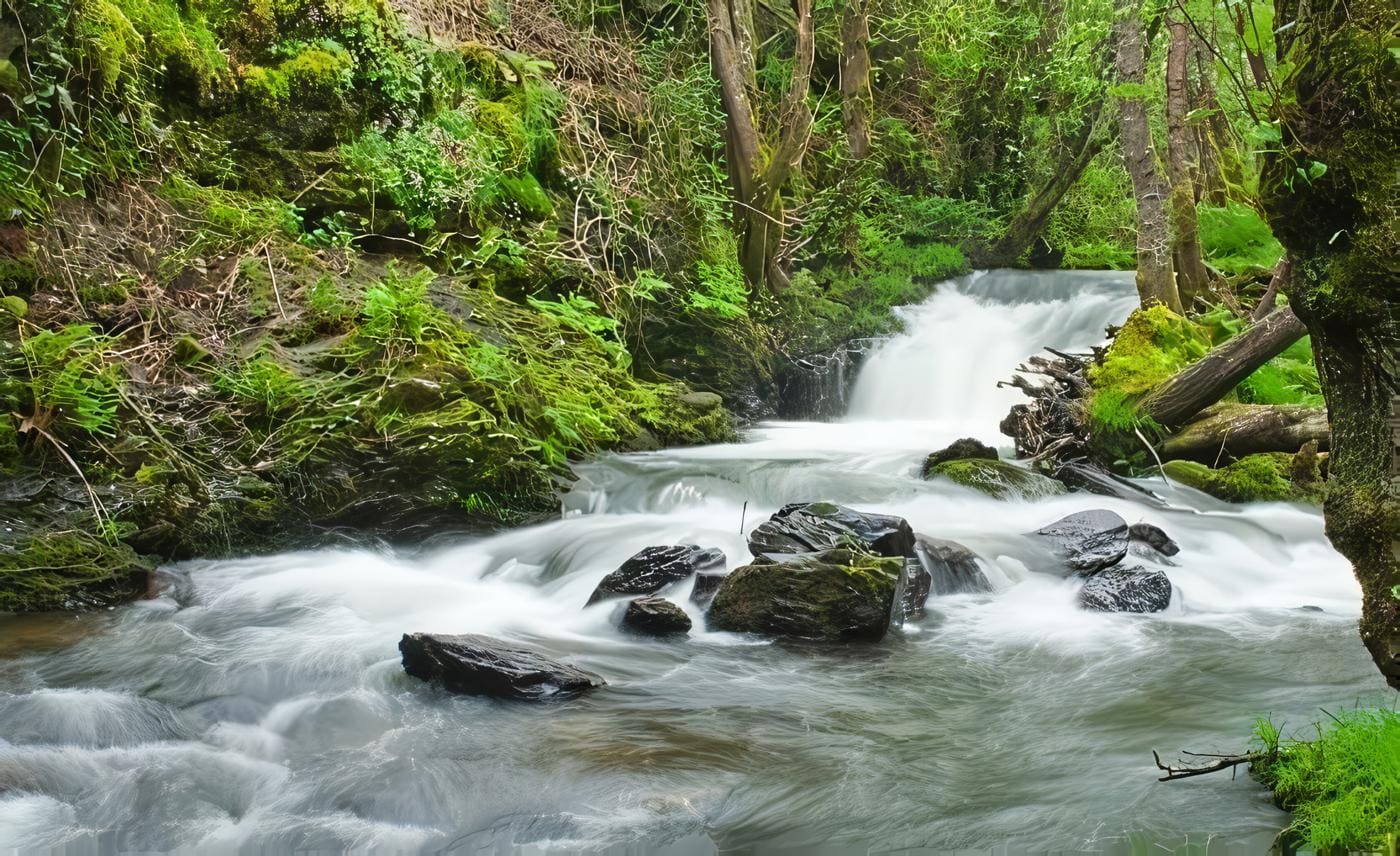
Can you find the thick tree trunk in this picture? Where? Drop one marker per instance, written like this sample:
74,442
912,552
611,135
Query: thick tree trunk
1074,159
1191,276
1205,381
758,171
1235,430
1154,262
856,97
1340,228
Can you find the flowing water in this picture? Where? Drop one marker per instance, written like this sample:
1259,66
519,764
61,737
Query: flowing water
259,704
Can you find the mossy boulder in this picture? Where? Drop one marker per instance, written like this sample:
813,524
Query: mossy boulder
999,479
959,450
1264,477
68,569
834,596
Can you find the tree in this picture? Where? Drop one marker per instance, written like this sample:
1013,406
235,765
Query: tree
1330,191
857,100
1154,262
1191,276
758,167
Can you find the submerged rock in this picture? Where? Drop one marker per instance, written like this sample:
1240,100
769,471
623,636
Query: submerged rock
832,596
1094,479
960,450
654,568
951,567
481,665
819,526
1087,541
1153,537
1126,590
705,587
998,479
655,616
914,594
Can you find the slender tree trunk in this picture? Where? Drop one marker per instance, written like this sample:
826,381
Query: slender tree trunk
1219,166
1074,158
758,169
856,97
1154,262
1340,229
1269,301
1191,276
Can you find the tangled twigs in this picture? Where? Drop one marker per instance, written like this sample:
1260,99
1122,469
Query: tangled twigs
1221,762
1050,425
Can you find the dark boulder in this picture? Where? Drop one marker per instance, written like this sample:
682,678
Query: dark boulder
1087,541
655,616
1126,590
705,587
654,568
1093,479
952,568
997,479
1153,537
815,527
960,450
917,584
836,595
482,665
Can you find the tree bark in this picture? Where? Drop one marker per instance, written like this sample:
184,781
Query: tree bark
1074,159
857,100
1191,276
1235,430
758,171
1340,228
1205,381
1219,165
1154,264
1269,302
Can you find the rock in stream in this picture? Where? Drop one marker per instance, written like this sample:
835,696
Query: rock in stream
1086,541
653,568
482,665
814,527
1126,590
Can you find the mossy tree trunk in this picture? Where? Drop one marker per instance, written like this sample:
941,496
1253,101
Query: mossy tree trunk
759,168
857,100
1154,259
1332,199
1191,276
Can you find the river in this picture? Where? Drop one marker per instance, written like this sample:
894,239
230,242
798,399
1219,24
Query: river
259,705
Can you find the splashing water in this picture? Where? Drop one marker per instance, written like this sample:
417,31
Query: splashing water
260,705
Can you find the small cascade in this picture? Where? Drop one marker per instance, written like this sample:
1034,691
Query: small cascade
817,387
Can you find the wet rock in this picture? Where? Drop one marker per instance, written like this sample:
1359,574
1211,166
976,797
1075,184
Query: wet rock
819,526
1087,541
655,616
705,587
952,568
998,479
653,568
1126,590
1093,479
965,449
831,596
1154,537
702,401
917,584
481,665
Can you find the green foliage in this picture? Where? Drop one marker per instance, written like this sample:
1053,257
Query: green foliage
1289,378
1236,240
73,376
264,383
67,569
1343,786
1152,345
1094,222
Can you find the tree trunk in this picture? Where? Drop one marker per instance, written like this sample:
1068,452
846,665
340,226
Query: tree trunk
1340,228
1154,262
1235,430
1269,302
1219,165
756,180
856,97
1074,159
1205,381
1191,276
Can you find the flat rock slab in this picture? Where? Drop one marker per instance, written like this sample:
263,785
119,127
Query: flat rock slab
482,665
815,527
1087,541
653,568
1126,590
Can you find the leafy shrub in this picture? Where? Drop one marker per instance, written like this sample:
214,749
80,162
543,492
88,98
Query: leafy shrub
1235,239
73,377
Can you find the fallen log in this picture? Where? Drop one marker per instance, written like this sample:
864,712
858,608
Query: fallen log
1207,380
1235,430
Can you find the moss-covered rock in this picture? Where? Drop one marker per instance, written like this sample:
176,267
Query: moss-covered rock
999,479
838,595
1264,477
67,569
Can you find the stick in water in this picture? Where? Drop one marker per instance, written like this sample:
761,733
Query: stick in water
742,514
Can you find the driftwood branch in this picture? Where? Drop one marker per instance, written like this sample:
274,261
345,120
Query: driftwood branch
1244,429
1221,762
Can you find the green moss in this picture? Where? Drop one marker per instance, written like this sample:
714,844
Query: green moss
998,479
59,570
10,456
1264,477
110,40
1343,786
1236,240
